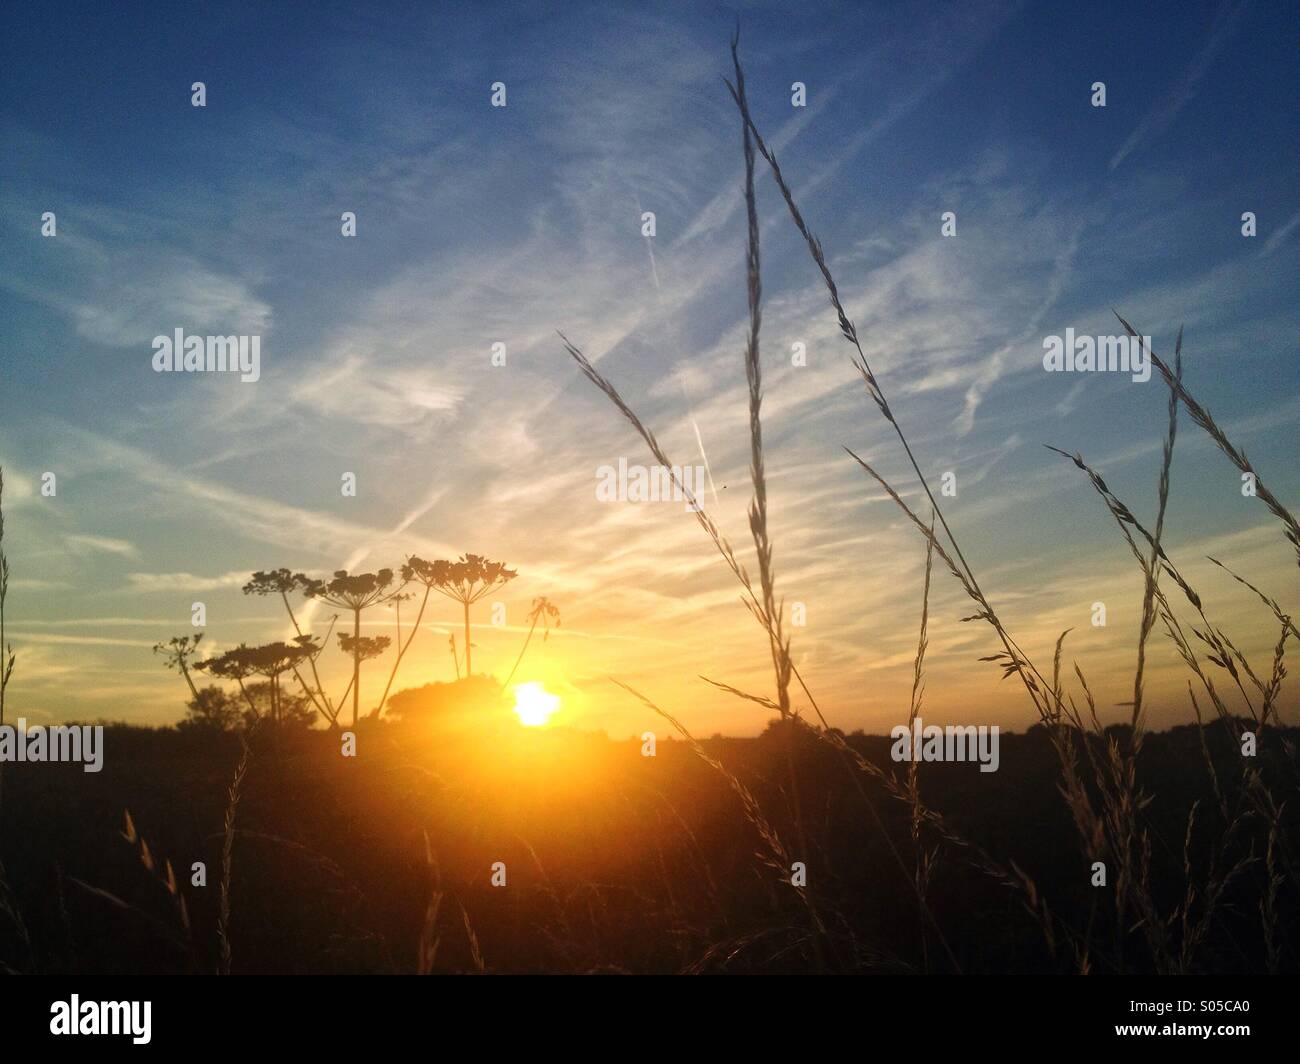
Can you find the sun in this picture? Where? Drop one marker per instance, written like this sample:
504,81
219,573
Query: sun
534,704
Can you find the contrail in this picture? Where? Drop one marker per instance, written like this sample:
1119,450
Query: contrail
654,271
360,554
704,457
649,246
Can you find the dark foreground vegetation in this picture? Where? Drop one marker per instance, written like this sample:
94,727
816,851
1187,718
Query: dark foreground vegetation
614,861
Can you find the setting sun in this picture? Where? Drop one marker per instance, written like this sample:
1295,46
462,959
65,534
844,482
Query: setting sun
534,704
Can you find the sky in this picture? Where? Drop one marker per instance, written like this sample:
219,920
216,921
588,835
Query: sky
479,225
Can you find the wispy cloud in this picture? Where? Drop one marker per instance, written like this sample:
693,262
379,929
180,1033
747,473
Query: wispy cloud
82,543
185,581
1279,235
1162,115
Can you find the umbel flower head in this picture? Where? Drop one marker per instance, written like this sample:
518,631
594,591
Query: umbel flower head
363,647
276,582
350,592
466,581
355,592
270,659
234,664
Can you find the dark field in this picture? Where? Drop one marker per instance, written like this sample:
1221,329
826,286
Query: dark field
616,862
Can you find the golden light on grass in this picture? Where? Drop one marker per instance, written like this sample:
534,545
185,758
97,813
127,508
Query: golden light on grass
534,705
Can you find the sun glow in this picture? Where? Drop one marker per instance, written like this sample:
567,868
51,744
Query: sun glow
534,704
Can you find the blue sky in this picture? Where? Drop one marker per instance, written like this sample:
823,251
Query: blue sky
480,224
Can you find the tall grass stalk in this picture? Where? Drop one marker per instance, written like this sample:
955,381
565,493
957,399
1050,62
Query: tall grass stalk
6,651
1202,417
1015,657
227,860
922,857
